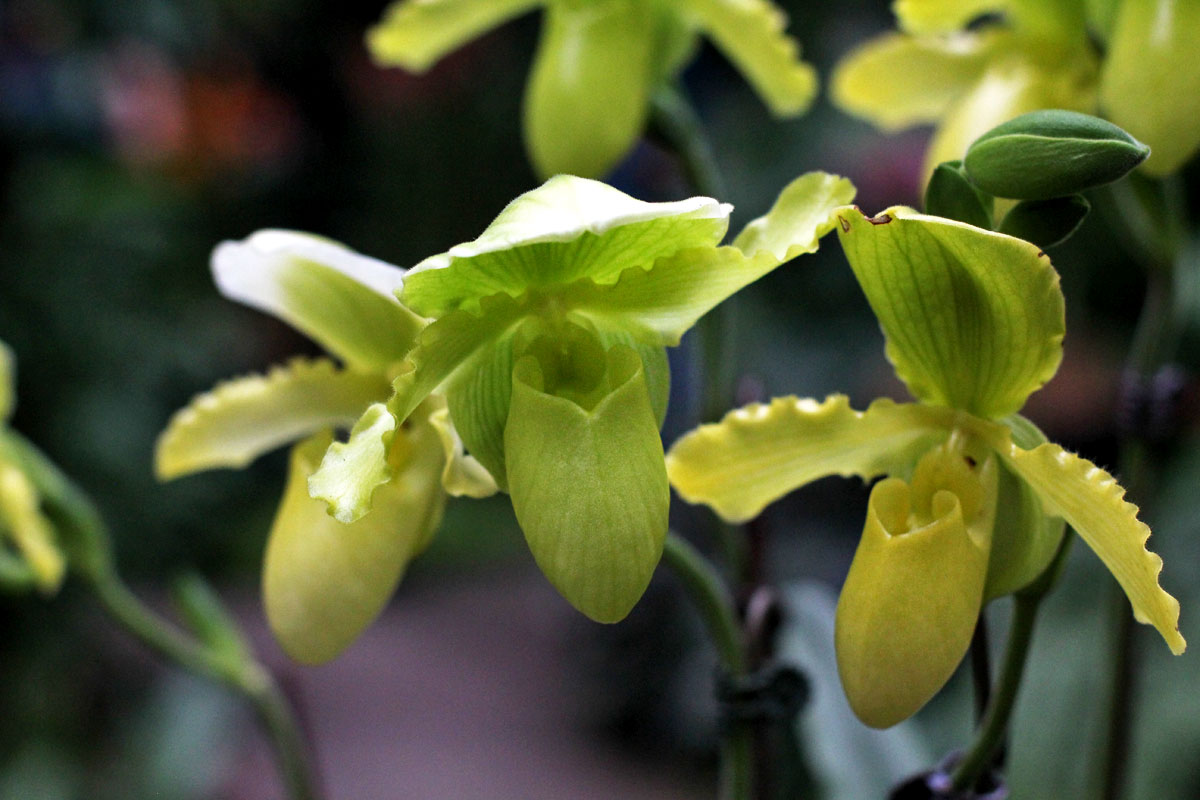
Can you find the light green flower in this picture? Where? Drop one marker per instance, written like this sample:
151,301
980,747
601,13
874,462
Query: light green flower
324,581
1039,56
974,502
599,62
549,342
35,554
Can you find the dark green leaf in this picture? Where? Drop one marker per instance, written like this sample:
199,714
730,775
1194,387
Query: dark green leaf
1046,222
951,195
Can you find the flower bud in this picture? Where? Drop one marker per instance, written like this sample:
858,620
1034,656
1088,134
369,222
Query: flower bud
1047,154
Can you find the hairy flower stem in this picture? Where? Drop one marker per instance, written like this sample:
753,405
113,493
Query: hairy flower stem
992,732
714,602
86,540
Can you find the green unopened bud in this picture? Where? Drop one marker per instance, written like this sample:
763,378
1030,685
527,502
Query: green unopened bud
951,195
1046,222
1047,154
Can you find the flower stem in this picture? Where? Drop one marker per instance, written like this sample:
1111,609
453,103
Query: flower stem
991,735
715,604
85,538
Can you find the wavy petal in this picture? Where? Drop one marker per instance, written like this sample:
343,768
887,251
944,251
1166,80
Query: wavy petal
974,320
896,81
800,216
241,419
323,581
750,34
588,486
1093,503
342,300
566,229
414,34
351,471
759,453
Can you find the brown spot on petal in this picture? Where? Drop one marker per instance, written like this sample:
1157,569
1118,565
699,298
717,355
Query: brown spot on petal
845,225
882,219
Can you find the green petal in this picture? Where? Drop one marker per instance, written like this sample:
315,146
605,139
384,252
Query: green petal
1025,538
416,33
660,304
241,419
759,453
750,34
22,519
324,582
351,471
342,300
463,475
8,382
1014,83
478,396
1151,81
589,487
801,215
566,229
1093,503
910,602
448,345
589,89
896,81
974,320
943,16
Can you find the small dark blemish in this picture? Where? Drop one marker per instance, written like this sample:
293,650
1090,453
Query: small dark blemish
845,225
1041,254
970,461
882,219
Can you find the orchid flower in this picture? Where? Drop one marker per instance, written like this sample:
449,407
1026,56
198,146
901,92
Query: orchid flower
324,581
600,61
34,556
968,80
973,504
548,340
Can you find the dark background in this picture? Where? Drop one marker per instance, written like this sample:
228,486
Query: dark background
136,134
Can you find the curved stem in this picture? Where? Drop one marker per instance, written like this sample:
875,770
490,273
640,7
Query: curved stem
86,540
715,604
990,737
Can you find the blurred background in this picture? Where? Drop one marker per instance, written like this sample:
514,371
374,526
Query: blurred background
137,134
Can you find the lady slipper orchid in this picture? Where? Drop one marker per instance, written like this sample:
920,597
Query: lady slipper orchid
966,81
548,340
35,556
600,61
324,581
975,498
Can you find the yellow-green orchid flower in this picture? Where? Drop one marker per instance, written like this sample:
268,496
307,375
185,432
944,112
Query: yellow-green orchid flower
967,81
549,339
974,502
599,62
37,557
324,581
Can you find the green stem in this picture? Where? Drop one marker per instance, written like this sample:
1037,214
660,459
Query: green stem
715,604
990,737
85,538
991,734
